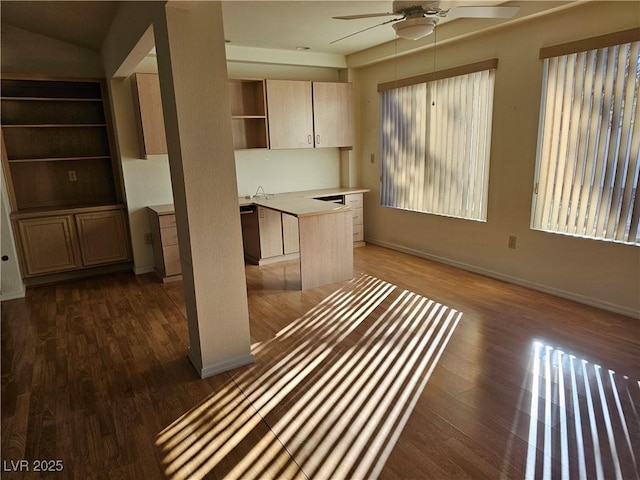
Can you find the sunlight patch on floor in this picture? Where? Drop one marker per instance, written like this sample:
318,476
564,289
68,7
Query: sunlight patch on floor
564,391
335,387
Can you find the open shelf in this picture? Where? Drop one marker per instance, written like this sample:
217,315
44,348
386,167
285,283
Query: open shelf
57,144
248,114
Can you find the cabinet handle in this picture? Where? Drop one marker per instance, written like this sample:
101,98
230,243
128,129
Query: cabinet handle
317,139
309,139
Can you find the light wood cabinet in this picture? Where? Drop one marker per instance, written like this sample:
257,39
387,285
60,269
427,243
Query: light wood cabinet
290,110
332,114
268,235
355,201
48,245
72,241
57,158
270,227
103,237
164,239
305,114
152,139
290,236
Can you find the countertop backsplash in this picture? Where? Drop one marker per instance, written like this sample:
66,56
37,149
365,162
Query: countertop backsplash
287,170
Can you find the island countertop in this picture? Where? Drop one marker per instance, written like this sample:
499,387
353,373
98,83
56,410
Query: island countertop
298,204
303,203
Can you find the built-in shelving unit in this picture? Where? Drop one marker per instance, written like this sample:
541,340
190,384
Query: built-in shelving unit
63,184
57,144
248,114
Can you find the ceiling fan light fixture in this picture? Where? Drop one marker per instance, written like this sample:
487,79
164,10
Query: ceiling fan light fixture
415,28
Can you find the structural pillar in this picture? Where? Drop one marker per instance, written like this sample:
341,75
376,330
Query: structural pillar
193,81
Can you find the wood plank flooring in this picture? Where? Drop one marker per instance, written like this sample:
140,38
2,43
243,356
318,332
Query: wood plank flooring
412,370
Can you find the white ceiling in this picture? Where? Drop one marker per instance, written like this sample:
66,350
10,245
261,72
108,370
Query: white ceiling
282,25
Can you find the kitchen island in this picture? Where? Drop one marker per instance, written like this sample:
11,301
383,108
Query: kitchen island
324,234
321,233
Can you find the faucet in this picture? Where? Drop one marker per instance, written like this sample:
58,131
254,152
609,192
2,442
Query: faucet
266,197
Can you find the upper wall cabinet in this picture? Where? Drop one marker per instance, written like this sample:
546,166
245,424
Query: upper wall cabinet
290,114
306,115
148,110
332,114
275,114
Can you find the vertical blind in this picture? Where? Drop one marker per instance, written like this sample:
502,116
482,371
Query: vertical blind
589,145
435,143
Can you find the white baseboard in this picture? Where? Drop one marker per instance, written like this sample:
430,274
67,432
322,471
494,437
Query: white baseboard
576,297
13,295
210,370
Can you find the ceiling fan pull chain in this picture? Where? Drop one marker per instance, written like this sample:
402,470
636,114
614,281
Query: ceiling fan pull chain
435,85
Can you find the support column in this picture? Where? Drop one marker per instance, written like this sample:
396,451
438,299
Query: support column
193,81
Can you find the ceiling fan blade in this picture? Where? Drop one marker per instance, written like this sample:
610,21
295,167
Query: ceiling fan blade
482,12
365,29
364,15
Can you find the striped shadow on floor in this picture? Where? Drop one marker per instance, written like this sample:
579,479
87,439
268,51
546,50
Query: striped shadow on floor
334,389
583,419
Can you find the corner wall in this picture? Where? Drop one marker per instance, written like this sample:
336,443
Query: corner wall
603,274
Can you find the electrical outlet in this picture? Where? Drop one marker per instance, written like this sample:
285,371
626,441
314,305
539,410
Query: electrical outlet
372,158
512,242
72,176
147,239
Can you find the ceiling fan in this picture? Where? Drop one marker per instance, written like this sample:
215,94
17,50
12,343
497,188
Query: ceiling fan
419,18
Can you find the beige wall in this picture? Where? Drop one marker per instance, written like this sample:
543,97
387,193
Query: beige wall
146,182
598,273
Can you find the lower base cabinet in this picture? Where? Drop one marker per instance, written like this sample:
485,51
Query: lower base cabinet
268,235
164,238
48,245
355,201
103,237
67,242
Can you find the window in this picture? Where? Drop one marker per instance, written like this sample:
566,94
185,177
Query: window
435,142
589,143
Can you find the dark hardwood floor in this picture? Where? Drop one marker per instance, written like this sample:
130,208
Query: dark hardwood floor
413,370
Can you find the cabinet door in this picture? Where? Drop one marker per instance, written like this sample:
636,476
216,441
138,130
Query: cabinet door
48,245
148,110
290,238
103,237
290,114
251,235
270,226
332,114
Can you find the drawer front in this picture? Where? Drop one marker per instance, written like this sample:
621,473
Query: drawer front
171,260
357,216
169,236
167,221
354,200
358,233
